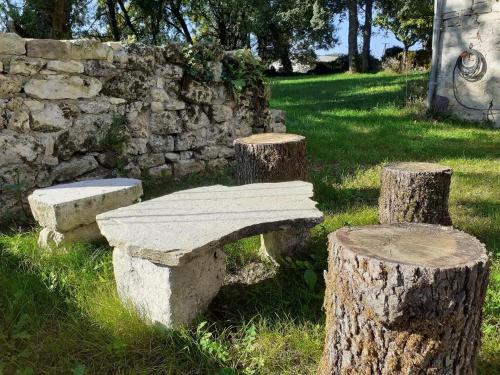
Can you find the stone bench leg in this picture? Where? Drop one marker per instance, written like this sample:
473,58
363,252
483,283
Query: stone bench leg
283,243
169,295
87,233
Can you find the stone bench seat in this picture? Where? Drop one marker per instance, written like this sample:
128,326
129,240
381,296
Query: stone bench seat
168,259
67,212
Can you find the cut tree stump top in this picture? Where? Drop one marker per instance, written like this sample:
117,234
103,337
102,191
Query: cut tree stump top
417,167
414,244
270,138
170,229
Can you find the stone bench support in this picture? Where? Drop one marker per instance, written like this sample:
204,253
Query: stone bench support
170,295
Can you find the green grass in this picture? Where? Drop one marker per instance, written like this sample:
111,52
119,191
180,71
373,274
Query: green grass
60,314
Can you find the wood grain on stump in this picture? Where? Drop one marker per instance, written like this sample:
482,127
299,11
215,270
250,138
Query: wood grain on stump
403,299
270,157
414,192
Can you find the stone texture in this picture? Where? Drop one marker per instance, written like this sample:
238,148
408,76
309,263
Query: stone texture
215,215
50,238
74,168
83,49
26,66
48,118
171,296
12,44
9,85
69,66
75,92
69,206
60,87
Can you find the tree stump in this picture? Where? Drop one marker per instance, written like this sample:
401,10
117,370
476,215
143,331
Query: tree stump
270,157
273,157
414,192
403,299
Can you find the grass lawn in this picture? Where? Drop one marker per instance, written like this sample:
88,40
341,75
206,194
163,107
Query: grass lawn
60,314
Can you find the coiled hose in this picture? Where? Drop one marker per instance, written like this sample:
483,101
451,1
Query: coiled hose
471,66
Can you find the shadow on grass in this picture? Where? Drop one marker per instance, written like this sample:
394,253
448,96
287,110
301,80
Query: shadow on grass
44,330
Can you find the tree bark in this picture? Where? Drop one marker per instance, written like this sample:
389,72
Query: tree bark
414,192
113,24
367,35
127,18
270,157
397,305
352,7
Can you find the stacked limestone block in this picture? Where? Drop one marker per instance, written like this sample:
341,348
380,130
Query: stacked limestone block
60,100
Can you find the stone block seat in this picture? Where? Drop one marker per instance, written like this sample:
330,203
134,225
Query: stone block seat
168,259
67,212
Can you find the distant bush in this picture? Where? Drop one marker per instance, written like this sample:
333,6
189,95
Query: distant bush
392,52
415,60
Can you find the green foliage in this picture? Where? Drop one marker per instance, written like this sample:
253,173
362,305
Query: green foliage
197,59
116,136
241,70
410,21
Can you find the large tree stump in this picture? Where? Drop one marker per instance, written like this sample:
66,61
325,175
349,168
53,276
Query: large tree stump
414,192
270,157
403,299
273,157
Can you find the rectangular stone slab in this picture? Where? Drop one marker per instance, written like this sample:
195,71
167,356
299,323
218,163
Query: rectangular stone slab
68,206
171,229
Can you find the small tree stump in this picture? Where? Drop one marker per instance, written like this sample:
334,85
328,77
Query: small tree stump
403,299
414,192
273,157
270,157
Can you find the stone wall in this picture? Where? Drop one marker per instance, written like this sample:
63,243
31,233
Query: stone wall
465,24
82,109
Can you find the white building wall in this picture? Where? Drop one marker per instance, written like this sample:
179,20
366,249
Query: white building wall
465,24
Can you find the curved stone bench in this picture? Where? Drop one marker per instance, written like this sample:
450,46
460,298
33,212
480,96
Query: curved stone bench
168,259
67,212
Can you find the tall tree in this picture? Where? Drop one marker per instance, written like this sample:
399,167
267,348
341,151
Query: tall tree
410,21
352,9
289,30
46,18
112,20
367,36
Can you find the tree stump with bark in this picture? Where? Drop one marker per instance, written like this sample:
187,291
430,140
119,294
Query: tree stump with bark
414,192
273,157
403,299
270,157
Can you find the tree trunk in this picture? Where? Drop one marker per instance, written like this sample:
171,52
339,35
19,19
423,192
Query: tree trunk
270,157
274,157
367,35
405,57
397,305
61,27
127,18
353,35
113,24
414,192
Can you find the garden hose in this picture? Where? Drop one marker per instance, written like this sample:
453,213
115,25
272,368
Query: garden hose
471,66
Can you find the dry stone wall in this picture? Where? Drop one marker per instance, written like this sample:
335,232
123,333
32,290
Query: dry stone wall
466,24
81,109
